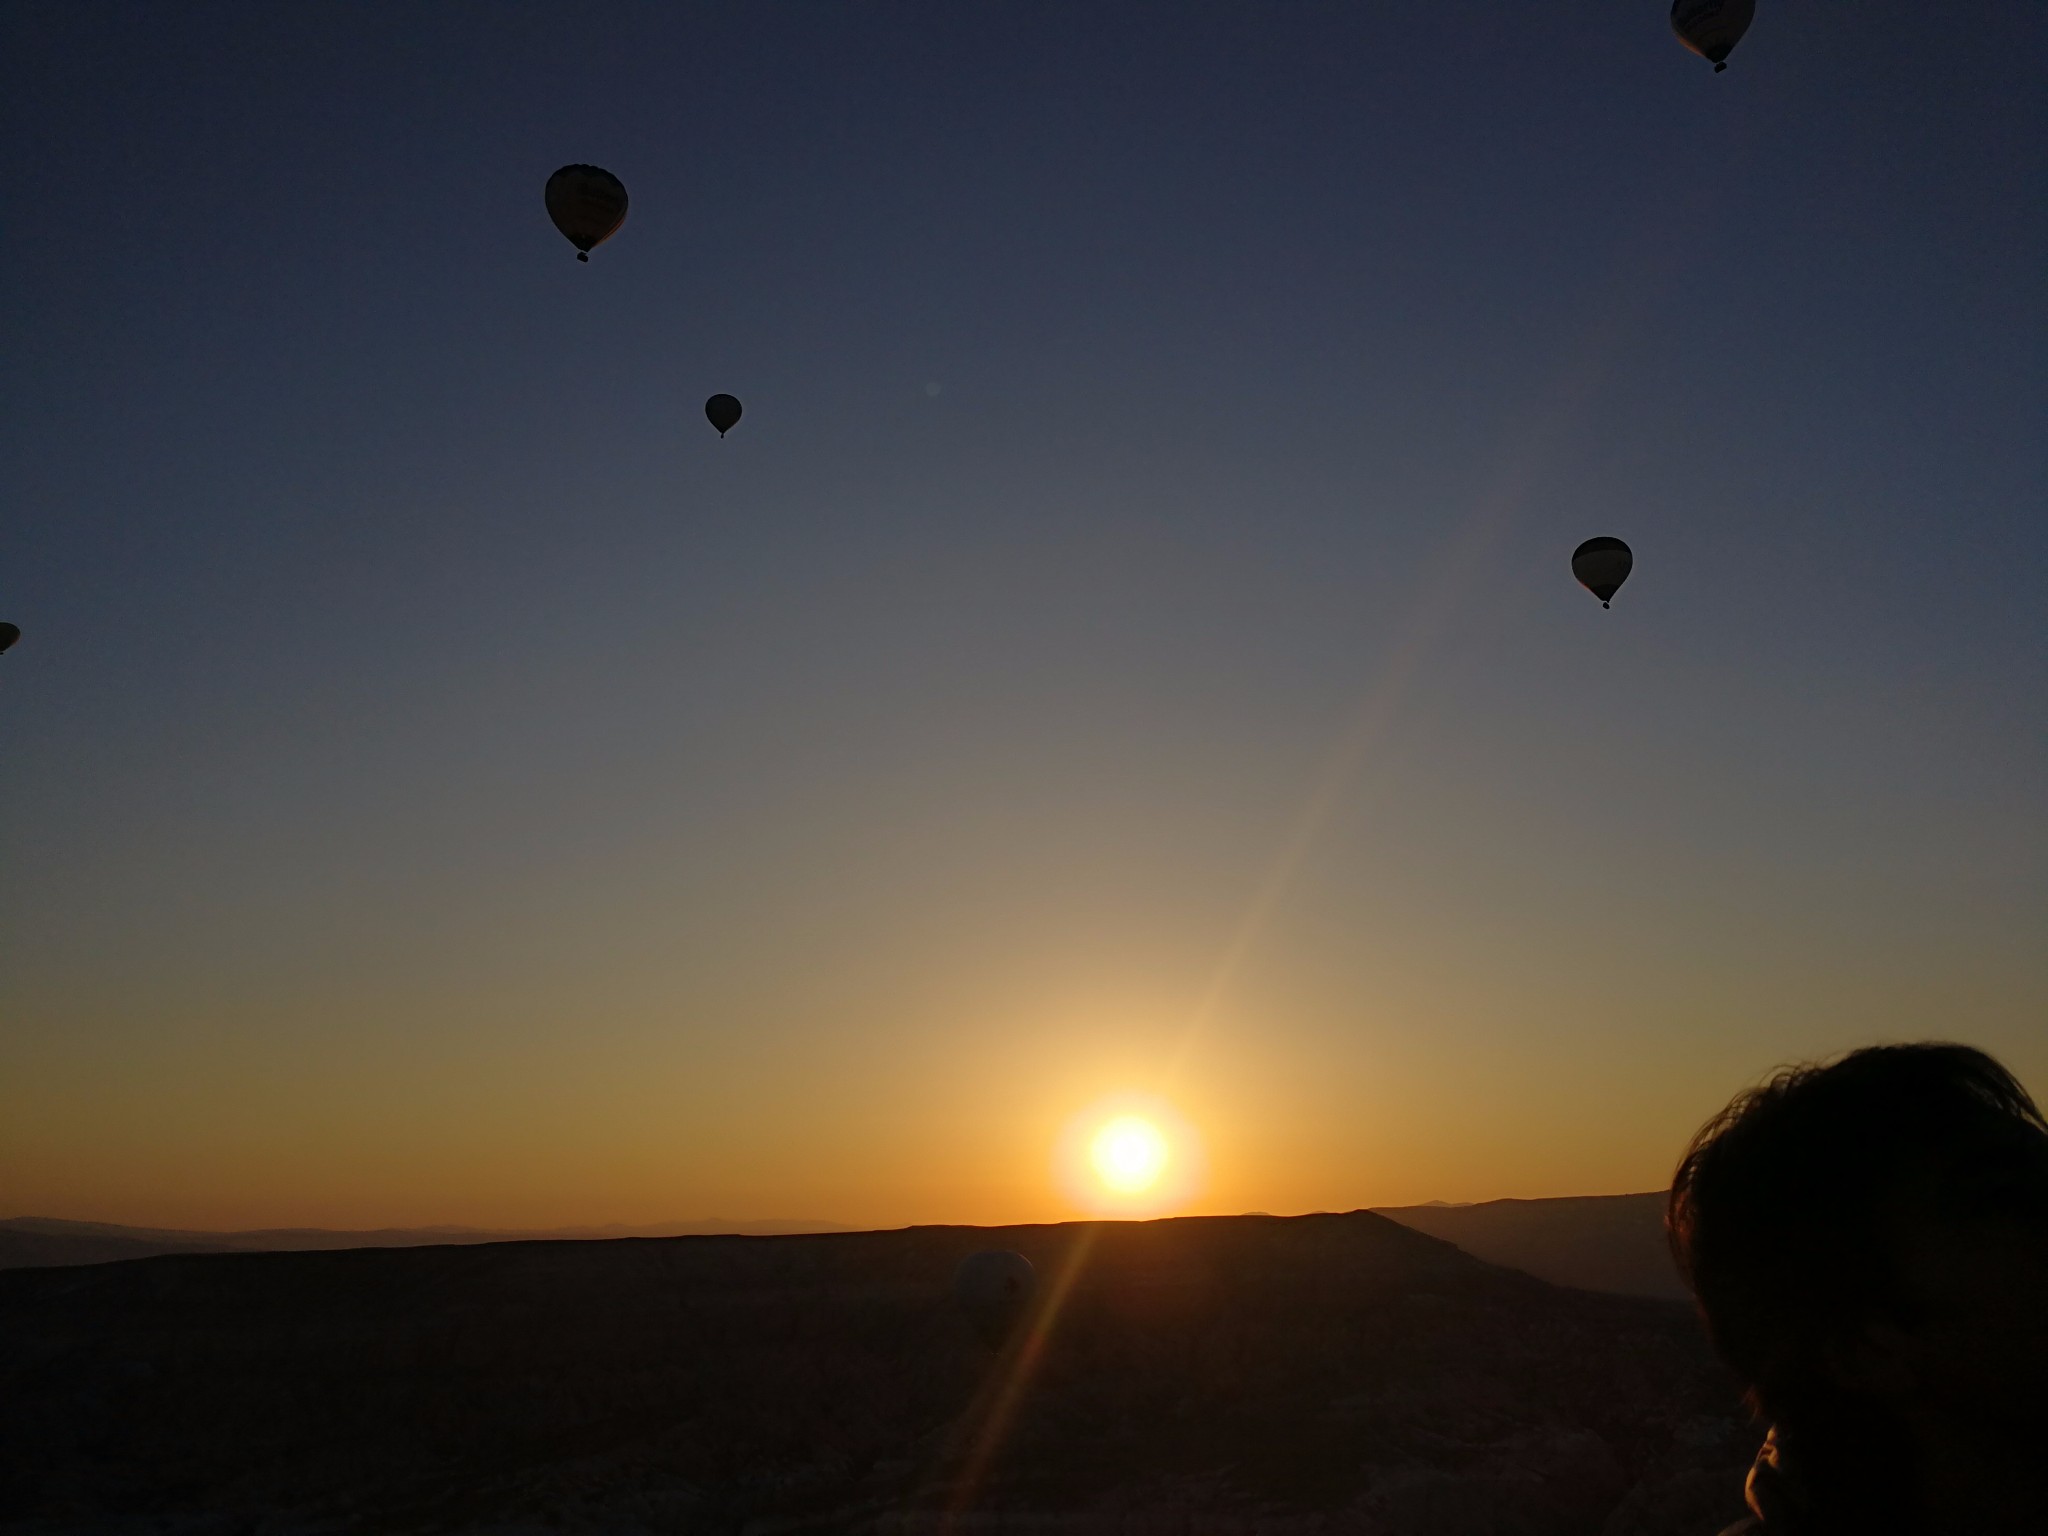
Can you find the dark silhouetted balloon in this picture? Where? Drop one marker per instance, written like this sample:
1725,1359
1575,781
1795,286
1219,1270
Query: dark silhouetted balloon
8,635
993,1288
1601,566
723,412
588,206
1712,28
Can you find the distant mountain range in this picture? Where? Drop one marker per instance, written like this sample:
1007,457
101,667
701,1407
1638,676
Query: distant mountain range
39,1242
1596,1242
1238,1376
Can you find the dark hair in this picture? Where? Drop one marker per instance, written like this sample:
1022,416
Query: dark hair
1781,1210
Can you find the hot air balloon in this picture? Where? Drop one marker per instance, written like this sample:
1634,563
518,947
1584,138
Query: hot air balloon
1712,28
993,1288
1601,566
9,633
723,412
587,204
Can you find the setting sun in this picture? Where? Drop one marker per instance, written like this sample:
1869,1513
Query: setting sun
1128,1155
1132,1156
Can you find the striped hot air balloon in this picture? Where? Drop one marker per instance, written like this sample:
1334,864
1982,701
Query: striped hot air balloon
1601,566
587,204
1712,28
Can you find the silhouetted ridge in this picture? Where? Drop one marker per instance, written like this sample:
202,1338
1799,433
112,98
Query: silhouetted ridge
1600,1242
35,1241
1265,1372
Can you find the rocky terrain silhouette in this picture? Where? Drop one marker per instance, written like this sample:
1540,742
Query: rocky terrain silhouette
34,1242
1599,1242
1335,1373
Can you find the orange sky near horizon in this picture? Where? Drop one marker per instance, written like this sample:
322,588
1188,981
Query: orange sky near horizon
509,1123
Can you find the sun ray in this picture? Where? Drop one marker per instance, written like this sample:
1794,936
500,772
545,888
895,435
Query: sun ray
1018,1369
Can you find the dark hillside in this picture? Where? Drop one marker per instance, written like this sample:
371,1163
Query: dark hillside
33,1244
1600,1242
36,1242
1320,1373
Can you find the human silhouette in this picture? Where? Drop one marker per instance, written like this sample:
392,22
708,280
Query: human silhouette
1868,1241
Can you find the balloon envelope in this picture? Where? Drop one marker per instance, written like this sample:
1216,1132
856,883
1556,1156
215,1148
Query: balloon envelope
1602,565
723,412
8,635
587,204
993,1288
1712,28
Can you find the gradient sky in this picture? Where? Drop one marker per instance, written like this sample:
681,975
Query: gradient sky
1127,648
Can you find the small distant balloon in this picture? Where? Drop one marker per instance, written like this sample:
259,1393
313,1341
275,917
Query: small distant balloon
587,204
723,412
993,1288
1601,566
1712,28
9,633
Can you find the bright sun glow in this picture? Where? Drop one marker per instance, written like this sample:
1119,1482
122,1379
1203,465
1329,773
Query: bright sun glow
1128,1155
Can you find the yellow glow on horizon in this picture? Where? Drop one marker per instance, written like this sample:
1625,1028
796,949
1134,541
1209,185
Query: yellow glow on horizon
1129,1154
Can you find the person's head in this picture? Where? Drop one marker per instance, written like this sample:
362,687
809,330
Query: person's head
1868,1241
